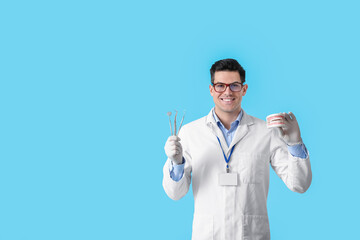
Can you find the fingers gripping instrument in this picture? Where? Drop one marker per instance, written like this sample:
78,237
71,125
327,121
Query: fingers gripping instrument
173,148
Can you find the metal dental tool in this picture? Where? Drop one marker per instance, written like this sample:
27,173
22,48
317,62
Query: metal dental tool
181,123
169,114
175,123
175,133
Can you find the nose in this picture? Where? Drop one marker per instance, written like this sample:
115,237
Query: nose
228,90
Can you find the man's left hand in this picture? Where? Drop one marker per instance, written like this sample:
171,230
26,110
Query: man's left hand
291,131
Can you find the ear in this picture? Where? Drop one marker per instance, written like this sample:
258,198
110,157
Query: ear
211,88
244,89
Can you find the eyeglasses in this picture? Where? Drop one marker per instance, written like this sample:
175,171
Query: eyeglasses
221,87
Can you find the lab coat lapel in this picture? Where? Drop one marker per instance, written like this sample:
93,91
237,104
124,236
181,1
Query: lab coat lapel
211,123
242,129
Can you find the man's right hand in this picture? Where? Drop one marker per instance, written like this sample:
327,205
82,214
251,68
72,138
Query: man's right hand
173,149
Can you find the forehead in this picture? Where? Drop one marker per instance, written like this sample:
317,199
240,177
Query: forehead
227,76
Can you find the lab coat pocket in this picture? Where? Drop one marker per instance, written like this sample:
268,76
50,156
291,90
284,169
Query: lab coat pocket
202,227
251,168
256,227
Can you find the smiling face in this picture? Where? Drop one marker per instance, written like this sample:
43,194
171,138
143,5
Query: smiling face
228,102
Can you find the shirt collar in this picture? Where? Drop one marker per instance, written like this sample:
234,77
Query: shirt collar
237,120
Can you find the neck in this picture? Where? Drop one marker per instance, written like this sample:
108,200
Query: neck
227,118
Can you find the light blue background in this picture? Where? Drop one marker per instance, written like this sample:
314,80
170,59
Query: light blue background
84,91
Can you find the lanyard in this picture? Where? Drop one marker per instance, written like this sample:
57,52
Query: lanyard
226,159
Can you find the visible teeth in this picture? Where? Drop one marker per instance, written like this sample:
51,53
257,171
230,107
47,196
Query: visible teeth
227,99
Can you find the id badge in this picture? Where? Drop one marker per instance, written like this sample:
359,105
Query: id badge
228,179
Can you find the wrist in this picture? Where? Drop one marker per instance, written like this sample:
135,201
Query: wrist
295,142
178,161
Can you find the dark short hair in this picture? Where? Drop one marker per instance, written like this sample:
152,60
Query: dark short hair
227,65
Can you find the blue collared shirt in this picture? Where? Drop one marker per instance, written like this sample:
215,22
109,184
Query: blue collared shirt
228,134
177,171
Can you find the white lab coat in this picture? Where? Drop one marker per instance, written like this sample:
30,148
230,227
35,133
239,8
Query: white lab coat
234,212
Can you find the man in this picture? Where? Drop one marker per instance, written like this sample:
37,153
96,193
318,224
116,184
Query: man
227,155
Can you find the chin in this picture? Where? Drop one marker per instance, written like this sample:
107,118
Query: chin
230,110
